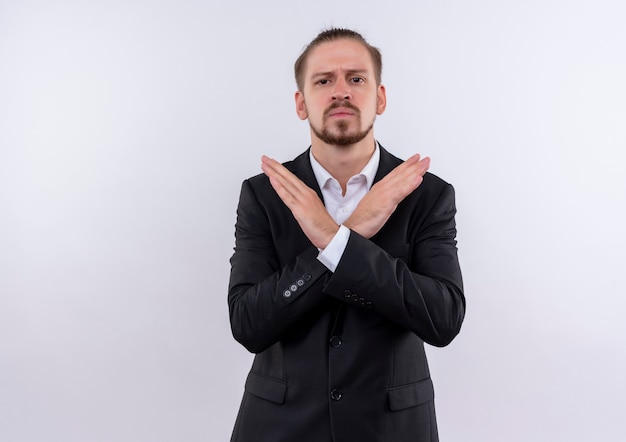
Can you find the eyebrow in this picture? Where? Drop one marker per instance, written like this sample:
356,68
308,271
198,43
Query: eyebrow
362,72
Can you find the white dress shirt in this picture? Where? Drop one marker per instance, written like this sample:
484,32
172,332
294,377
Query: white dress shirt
339,206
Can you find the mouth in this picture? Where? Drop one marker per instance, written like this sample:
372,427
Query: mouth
340,113
342,110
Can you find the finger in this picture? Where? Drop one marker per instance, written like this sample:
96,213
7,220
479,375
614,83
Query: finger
404,179
424,165
405,166
412,159
416,179
414,175
292,191
275,171
288,180
414,169
282,193
416,163
271,168
407,171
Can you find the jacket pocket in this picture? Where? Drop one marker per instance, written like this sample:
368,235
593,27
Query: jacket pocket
411,395
270,389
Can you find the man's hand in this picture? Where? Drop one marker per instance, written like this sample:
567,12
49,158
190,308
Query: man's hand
381,201
303,202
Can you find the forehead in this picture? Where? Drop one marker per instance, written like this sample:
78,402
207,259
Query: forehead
342,54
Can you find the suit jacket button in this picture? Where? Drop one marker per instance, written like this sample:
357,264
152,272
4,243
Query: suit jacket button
286,293
347,293
335,342
306,276
293,287
335,395
300,282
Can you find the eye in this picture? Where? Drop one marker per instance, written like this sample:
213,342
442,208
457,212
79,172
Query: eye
323,81
357,80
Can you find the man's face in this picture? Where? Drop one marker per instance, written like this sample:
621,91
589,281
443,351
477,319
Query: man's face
340,96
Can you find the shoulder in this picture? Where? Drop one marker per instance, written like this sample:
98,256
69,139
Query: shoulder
432,180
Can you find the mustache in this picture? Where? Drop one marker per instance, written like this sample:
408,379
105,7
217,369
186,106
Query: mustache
344,104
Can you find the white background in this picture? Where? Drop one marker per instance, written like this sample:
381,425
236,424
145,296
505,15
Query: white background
126,128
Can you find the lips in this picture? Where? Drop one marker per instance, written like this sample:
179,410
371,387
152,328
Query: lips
342,110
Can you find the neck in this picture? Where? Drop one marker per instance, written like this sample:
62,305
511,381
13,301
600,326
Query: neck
343,162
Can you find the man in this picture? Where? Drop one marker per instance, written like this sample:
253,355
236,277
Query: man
345,263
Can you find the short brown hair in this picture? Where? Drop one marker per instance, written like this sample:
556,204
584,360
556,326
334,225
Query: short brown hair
333,34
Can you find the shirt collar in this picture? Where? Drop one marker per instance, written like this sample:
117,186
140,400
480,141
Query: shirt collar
369,171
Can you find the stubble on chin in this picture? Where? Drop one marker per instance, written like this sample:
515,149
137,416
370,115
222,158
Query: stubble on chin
342,137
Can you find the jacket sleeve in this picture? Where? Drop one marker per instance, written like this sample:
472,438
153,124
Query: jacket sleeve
423,293
265,296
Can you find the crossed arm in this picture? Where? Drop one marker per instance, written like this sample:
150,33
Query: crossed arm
426,298
369,216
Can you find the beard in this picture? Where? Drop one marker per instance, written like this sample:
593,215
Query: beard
342,136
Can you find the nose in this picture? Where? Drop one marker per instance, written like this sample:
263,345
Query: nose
342,90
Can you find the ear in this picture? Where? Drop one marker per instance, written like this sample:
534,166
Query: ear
381,102
301,106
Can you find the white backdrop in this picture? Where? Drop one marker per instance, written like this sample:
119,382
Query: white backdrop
127,126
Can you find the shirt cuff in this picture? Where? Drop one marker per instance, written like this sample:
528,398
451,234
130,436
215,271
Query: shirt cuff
333,252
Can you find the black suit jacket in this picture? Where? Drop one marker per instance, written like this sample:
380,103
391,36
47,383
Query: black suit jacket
340,356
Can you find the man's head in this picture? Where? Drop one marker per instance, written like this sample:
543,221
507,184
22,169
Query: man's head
340,92
332,35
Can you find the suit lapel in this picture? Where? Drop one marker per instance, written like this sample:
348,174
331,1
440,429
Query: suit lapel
387,163
301,167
